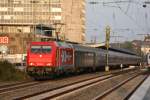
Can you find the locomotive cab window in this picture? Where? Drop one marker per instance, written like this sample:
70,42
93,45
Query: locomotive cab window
46,49
35,49
40,49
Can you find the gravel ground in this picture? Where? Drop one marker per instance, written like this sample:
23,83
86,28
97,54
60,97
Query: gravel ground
124,90
91,92
7,83
45,86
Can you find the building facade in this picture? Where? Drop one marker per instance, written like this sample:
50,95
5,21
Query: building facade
143,46
19,20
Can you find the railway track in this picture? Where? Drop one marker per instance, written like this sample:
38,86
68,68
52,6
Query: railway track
134,81
8,84
59,91
12,87
8,87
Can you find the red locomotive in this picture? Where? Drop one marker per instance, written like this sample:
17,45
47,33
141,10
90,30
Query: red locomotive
45,58
53,58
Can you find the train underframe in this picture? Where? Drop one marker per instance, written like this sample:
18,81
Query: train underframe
42,72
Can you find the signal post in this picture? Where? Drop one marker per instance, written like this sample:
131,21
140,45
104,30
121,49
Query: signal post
107,47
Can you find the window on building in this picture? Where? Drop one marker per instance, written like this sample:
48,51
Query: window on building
18,9
17,1
34,1
55,1
3,9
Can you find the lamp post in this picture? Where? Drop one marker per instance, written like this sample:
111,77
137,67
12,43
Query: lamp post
107,47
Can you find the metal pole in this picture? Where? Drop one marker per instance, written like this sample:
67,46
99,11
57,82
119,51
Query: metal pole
107,47
57,38
57,29
2,56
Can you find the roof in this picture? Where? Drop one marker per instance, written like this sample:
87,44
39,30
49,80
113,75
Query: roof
121,50
64,44
95,44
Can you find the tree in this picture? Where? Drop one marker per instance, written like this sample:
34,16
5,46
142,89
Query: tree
127,45
130,46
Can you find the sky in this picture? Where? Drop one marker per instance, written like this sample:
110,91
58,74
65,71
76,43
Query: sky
128,20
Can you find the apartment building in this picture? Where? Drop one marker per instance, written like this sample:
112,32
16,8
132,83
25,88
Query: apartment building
20,20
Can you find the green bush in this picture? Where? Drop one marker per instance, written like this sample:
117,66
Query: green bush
9,73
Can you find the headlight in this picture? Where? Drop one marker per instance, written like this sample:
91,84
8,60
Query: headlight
49,64
31,64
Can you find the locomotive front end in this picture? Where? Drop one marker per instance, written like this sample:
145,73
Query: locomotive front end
40,58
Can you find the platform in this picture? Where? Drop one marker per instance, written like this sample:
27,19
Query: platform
143,92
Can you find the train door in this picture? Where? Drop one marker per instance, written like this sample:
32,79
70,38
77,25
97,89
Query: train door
58,57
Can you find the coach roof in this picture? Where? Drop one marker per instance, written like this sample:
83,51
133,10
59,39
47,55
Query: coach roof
64,44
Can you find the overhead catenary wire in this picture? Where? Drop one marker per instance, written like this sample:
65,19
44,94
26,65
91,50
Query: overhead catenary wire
127,10
117,2
131,18
128,7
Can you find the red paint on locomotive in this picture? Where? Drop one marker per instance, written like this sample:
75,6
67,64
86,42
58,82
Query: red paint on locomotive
47,57
41,54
